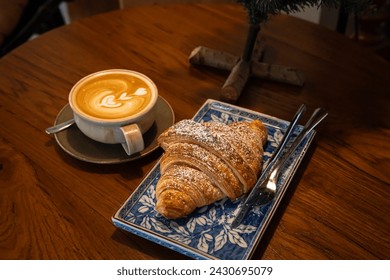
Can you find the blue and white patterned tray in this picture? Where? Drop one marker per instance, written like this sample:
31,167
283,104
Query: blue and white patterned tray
207,233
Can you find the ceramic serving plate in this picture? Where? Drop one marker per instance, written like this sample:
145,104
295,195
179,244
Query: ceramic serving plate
207,232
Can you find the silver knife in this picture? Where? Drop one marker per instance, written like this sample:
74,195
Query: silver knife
318,115
254,192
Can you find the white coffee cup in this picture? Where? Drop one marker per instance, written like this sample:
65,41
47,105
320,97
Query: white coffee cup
115,106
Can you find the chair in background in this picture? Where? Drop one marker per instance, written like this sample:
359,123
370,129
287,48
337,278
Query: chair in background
36,17
370,29
134,3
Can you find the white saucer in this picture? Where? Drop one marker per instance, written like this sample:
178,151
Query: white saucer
76,144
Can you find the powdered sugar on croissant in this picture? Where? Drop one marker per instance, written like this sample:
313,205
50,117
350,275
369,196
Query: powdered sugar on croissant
206,162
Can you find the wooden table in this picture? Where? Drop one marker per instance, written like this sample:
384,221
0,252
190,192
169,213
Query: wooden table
53,206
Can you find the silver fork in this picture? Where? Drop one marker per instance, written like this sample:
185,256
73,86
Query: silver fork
270,189
267,190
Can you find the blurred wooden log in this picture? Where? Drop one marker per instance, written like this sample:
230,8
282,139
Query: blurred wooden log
225,61
236,81
213,58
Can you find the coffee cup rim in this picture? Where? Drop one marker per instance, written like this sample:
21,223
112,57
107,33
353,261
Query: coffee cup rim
135,117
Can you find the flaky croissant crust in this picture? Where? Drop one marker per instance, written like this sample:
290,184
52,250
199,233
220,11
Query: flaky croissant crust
205,162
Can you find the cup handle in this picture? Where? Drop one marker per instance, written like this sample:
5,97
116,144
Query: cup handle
134,140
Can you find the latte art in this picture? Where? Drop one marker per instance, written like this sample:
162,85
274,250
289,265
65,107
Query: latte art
112,96
110,101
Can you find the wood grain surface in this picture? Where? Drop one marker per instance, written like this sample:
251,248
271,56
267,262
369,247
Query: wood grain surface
53,206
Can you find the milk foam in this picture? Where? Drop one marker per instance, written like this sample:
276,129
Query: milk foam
112,96
111,101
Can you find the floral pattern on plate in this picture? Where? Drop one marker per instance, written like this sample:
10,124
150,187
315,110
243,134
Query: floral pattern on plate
207,232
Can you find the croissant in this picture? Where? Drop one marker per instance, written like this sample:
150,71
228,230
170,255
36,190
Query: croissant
205,162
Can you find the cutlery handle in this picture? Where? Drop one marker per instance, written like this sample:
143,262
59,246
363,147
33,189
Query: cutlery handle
287,135
267,171
241,215
318,115
59,127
